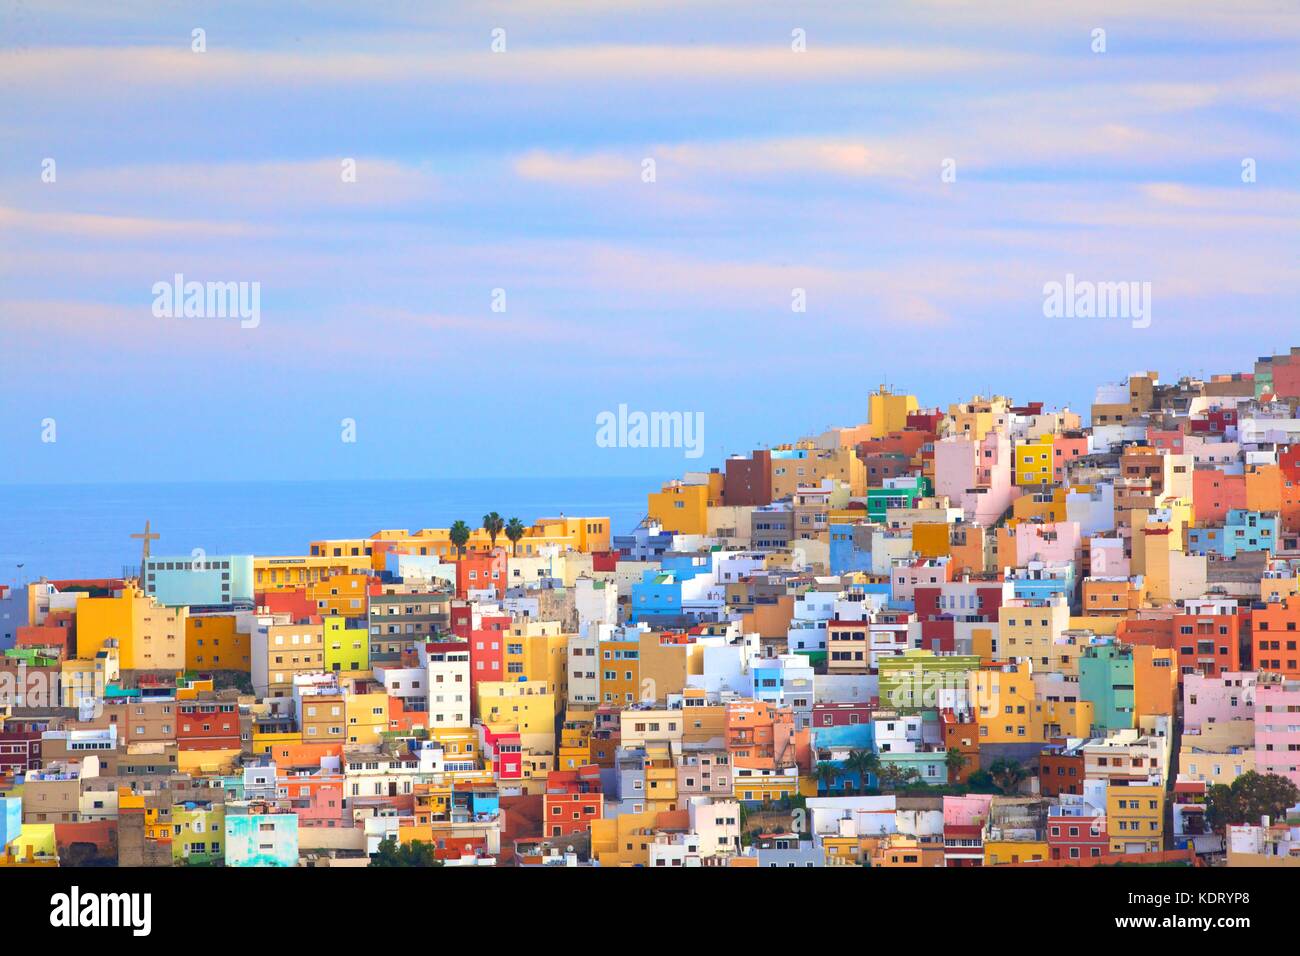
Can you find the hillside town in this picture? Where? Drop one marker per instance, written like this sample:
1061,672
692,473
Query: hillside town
992,634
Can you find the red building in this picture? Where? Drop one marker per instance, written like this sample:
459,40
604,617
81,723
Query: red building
207,725
502,752
841,714
20,751
961,733
1208,644
573,799
938,631
1080,837
1149,632
482,572
487,652
604,560
1060,771
748,481
291,601
1214,494
1067,449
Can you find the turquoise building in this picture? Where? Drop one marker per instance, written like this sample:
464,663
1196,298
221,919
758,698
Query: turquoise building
200,580
260,839
1106,679
11,820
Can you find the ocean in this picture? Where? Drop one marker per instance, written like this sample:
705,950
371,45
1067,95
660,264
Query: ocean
84,530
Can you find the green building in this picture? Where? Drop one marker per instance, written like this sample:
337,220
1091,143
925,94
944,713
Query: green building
924,680
1106,679
198,832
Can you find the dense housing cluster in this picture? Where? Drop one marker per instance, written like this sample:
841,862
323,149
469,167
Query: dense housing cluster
985,636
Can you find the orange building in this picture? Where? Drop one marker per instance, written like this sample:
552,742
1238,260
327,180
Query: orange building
1276,633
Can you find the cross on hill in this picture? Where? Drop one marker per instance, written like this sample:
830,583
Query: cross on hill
145,537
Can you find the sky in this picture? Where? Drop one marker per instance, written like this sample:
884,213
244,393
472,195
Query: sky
502,268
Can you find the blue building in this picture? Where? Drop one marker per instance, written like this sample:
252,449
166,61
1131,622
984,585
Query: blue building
1242,531
833,745
11,820
850,547
657,594
257,837
1039,582
200,580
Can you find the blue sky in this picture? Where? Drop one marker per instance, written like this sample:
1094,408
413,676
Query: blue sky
522,171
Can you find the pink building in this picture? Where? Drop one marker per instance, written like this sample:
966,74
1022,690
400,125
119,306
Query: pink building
1277,728
976,478
1217,700
1052,542
906,576
1168,441
1108,558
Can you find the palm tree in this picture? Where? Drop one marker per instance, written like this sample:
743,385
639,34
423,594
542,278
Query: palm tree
864,763
493,524
1007,775
956,762
826,774
893,776
459,535
514,531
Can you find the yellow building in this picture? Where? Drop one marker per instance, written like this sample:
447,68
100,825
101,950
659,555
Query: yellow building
759,784
624,840
931,539
620,671
460,745
1064,718
1135,817
367,716
1034,465
1031,628
271,742
660,777
537,651
80,679
343,595
887,412
1003,699
35,845
976,418
1012,852
212,642
148,635
680,507
527,706
575,740
282,572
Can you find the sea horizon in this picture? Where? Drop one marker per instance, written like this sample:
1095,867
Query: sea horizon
83,529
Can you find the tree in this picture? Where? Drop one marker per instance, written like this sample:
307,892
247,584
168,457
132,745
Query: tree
956,762
826,773
415,853
459,535
514,531
864,763
1007,775
493,524
1251,796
